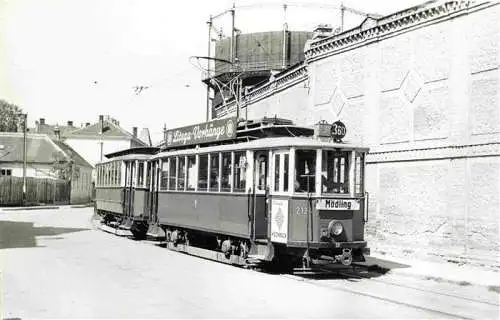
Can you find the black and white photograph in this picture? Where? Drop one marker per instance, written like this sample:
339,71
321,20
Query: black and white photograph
249,159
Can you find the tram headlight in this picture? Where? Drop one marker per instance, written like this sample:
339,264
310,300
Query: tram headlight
336,228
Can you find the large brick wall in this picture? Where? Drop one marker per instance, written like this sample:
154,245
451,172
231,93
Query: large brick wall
424,96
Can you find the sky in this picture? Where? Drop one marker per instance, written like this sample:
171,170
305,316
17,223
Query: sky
76,59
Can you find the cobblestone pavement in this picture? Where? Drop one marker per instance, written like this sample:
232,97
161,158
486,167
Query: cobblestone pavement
54,264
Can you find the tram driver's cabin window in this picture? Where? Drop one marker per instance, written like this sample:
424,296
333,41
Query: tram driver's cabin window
305,171
335,171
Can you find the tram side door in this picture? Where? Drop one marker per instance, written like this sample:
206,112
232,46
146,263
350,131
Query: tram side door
260,193
153,194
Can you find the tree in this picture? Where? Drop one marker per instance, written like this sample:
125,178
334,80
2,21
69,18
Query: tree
10,119
63,168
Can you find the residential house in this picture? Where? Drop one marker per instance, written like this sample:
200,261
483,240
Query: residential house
93,141
46,158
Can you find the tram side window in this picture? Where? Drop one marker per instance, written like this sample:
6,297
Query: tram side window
214,172
305,171
191,173
140,174
277,172
240,161
359,173
106,174
112,173
335,172
149,167
173,173
182,173
164,175
285,173
203,173
119,168
226,172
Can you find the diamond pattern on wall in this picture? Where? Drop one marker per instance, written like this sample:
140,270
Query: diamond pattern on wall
337,102
411,86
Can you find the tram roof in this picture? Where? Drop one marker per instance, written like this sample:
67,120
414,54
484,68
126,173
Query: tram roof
133,151
265,143
127,157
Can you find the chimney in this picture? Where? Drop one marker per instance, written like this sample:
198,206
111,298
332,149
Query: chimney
57,133
70,123
42,121
134,132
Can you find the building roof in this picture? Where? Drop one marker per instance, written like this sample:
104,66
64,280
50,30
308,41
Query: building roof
111,130
72,154
40,148
49,130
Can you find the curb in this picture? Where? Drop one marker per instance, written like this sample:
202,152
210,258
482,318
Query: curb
30,208
41,207
438,272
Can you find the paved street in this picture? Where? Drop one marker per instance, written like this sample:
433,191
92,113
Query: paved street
54,264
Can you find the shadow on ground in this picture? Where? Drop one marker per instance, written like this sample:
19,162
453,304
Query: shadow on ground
15,234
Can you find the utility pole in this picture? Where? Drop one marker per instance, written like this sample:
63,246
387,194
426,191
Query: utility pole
233,40
25,147
342,10
208,64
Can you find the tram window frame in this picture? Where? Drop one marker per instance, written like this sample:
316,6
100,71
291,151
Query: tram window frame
172,180
300,181
203,172
165,174
191,180
359,172
120,168
214,165
140,174
337,181
281,171
240,170
181,173
117,174
226,172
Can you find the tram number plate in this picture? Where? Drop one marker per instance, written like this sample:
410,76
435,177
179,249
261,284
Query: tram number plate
301,211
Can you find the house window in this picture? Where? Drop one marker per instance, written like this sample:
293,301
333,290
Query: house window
5,172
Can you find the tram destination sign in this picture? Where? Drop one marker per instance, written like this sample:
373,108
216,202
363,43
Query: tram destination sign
337,204
213,131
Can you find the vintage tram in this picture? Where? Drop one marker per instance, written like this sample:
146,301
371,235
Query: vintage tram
123,194
260,192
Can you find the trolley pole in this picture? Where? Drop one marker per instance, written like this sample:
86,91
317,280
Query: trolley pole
25,129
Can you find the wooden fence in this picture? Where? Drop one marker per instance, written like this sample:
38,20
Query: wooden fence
37,191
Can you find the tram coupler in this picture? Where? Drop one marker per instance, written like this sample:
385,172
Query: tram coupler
345,258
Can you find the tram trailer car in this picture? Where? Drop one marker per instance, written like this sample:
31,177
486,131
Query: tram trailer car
270,191
123,197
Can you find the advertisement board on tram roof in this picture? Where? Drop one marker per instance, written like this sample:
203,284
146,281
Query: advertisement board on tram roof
212,131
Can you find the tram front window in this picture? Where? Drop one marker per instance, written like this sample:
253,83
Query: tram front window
305,171
335,171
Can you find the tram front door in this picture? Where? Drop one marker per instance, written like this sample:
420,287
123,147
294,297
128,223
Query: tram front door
260,195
